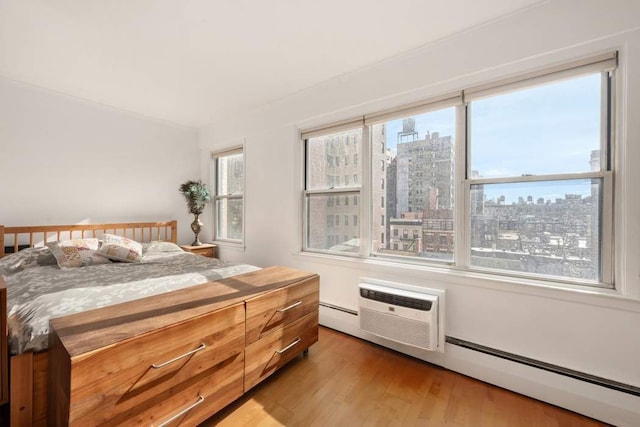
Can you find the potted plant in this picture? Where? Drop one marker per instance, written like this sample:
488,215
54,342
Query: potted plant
197,196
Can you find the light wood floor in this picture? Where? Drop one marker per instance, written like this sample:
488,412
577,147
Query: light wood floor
349,382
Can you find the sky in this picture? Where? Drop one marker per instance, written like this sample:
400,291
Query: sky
546,129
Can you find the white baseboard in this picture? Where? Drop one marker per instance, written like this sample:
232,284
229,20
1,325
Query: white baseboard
610,406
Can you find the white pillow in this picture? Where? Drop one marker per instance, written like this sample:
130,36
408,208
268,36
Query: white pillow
119,248
160,247
77,253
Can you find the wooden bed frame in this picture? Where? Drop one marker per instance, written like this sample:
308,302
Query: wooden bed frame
26,390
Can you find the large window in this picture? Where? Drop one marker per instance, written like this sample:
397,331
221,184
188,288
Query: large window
229,195
513,177
538,165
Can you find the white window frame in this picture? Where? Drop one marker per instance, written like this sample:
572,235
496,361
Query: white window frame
353,190
604,63
215,156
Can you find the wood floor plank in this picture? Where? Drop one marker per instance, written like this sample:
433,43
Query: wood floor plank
351,382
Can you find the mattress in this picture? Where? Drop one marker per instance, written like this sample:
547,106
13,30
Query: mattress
38,290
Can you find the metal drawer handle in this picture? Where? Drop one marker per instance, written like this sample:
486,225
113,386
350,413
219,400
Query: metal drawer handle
184,411
295,304
297,340
189,353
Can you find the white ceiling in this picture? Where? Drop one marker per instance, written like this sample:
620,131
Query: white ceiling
188,61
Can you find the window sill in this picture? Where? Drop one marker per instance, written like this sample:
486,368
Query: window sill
234,246
448,275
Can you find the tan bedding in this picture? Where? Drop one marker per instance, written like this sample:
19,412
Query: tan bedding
38,290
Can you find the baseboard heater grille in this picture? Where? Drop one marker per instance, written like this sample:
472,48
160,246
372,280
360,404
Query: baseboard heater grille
335,307
582,376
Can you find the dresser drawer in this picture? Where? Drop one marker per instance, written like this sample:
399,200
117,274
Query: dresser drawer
191,402
266,355
273,310
126,379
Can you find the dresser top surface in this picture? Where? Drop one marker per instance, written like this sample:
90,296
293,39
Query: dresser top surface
88,331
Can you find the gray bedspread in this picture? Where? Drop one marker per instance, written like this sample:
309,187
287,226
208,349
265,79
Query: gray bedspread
39,293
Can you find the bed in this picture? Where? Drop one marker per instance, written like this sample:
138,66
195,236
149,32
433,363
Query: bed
48,286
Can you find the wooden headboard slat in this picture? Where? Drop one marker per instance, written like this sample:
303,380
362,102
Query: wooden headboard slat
21,232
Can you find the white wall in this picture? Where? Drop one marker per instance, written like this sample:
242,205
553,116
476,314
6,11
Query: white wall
578,329
66,160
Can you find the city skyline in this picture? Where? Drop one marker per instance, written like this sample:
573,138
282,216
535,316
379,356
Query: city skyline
568,127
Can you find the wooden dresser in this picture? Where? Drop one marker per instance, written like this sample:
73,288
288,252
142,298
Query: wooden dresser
177,358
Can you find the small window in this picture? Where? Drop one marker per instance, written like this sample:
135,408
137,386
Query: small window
229,195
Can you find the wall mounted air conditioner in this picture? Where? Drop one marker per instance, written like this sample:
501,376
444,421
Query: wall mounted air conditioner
408,317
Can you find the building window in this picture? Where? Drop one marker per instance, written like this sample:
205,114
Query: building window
228,173
566,174
408,195
318,190
530,176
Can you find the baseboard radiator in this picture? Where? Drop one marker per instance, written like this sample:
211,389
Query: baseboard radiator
556,369
338,308
582,376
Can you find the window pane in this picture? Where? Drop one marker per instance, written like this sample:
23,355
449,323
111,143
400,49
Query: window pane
327,160
417,185
549,228
229,219
548,129
332,227
230,174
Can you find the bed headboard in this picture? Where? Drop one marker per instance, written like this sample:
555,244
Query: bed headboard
16,238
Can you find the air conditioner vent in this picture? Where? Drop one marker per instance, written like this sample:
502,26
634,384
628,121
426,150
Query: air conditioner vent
402,301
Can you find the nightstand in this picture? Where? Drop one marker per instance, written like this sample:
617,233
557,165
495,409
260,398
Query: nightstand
204,249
